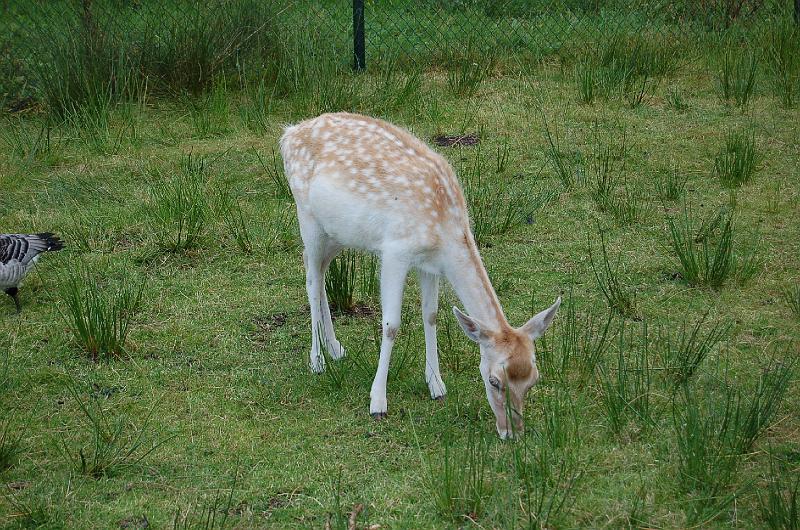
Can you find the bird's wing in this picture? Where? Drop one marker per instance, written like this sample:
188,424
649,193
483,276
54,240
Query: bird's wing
12,273
25,247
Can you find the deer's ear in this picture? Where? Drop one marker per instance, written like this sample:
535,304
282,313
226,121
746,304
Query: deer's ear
473,328
536,326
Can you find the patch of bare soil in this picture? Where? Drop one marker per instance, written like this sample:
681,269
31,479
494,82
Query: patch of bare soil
463,140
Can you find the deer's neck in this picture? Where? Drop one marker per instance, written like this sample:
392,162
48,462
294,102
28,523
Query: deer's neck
467,275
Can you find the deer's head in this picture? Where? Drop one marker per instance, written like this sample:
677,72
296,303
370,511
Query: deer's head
508,364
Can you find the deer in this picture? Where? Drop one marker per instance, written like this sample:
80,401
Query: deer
362,183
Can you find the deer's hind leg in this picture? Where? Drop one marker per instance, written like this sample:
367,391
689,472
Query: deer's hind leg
334,347
318,252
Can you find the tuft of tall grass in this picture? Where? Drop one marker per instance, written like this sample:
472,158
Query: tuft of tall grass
627,206
350,271
116,442
791,296
229,209
89,59
11,446
626,387
450,344
336,518
709,261
179,205
737,162
98,314
393,90
711,437
457,480
638,89
210,111
468,69
753,411
568,168
736,75
672,186
498,204
607,167
274,171
631,62
257,108
780,504
639,55
209,516
620,298
706,467
676,99
310,78
560,419
545,486
783,60
684,352
25,145
583,341
32,513
586,80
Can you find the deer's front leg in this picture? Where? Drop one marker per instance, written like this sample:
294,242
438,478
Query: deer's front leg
429,284
393,278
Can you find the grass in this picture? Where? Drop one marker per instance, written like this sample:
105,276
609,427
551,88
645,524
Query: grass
791,296
180,205
348,272
100,315
684,349
584,341
737,163
274,171
706,466
737,75
115,443
779,504
672,186
566,167
620,297
713,434
626,386
585,80
706,254
781,51
11,446
458,482
468,70
220,339
499,204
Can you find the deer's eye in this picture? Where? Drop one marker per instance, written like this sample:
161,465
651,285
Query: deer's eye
494,382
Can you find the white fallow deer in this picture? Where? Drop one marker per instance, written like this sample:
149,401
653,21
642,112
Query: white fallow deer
363,183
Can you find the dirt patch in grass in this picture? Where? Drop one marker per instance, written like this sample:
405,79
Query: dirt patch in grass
462,140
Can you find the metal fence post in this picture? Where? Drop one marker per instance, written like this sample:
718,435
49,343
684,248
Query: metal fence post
359,54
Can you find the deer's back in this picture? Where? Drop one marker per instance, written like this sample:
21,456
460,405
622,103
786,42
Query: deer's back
364,178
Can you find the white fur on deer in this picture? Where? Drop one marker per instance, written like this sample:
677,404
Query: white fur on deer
359,182
18,255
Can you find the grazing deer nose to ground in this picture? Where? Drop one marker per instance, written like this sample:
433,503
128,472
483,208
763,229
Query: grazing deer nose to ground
363,183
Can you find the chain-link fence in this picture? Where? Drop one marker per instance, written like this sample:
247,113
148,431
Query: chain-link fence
186,43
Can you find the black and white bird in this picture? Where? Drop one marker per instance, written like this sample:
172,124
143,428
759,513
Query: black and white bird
18,255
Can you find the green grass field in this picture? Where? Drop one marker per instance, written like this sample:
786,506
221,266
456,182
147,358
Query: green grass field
648,183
